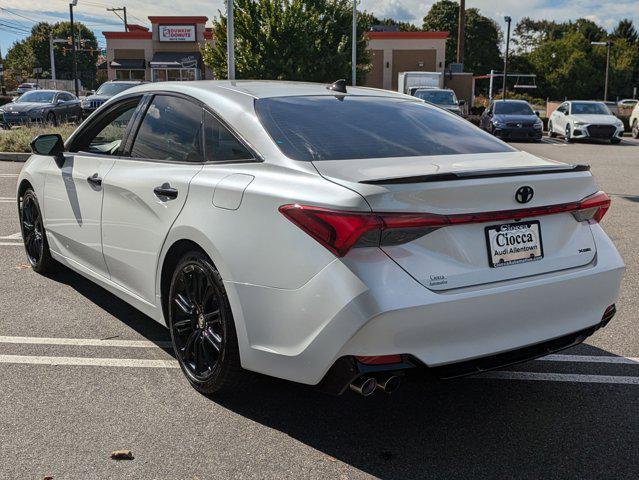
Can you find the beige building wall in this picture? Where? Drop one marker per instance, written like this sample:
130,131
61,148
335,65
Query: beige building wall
120,44
388,45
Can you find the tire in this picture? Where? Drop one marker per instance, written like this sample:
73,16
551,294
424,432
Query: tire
615,141
51,119
202,327
567,135
34,235
551,134
635,129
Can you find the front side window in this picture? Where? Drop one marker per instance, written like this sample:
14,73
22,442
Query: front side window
314,128
438,97
220,144
105,135
111,89
170,130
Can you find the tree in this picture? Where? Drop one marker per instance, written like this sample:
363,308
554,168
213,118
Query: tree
482,39
33,52
625,29
290,40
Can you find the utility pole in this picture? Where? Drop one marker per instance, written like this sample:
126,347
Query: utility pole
2,87
461,30
52,57
230,40
75,59
503,93
123,10
354,46
608,44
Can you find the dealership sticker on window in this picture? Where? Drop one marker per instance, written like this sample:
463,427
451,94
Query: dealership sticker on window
177,33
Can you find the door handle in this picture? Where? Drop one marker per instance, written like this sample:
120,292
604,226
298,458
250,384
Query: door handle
95,179
165,190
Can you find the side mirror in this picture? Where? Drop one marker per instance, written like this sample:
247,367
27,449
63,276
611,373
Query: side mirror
49,144
537,113
461,103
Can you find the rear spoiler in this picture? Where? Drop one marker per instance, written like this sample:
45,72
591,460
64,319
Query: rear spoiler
502,172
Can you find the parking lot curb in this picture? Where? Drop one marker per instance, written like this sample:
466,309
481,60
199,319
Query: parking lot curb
14,157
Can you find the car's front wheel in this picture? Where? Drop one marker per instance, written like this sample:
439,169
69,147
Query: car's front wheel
551,132
568,134
51,119
202,326
635,129
34,235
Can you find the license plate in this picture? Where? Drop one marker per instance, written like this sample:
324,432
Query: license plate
514,243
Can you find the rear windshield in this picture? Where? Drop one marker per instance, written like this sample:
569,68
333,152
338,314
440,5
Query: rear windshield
340,128
513,108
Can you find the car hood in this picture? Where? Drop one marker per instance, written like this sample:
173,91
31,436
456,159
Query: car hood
25,106
98,97
515,118
598,119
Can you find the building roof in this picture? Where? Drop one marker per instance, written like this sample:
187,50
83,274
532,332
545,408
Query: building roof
407,35
178,19
132,35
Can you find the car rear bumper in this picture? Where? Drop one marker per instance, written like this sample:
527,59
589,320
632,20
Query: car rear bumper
366,305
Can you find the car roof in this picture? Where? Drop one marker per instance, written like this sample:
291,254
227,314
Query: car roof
585,101
261,88
510,100
42,90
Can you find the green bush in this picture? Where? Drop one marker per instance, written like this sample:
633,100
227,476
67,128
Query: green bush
18,139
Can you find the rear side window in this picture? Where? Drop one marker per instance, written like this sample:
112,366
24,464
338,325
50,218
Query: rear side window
170,130
340,128
220,144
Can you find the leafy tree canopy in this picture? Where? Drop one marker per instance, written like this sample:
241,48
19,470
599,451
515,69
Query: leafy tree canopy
482,39
33,51
290,40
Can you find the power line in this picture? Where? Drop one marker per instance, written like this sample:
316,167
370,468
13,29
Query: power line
18,15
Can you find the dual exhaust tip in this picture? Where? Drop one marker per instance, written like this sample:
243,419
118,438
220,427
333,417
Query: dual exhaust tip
366,385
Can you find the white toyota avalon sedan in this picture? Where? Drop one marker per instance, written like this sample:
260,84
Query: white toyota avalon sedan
585,119
328,235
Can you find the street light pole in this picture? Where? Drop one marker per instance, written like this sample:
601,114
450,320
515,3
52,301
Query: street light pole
230,40
608,44
72,4
461,28
503,92
354,46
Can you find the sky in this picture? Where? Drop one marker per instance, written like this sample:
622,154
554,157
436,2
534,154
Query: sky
18,16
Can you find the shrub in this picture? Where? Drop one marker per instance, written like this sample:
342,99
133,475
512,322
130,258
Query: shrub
18,139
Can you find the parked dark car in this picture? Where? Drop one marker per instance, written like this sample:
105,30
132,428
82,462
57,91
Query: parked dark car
442,97
44,106
106,91
512,120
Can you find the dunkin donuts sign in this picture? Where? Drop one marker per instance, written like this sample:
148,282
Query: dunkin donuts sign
177,33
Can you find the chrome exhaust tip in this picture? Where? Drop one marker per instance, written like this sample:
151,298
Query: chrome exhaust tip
389,384
365,386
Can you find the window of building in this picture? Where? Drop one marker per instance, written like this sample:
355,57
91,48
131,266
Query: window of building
121,74
175,74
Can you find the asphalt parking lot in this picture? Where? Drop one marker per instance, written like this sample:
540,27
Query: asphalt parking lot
83,374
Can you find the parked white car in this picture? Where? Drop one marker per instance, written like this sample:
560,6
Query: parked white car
628,102
585,119
330,237
634,121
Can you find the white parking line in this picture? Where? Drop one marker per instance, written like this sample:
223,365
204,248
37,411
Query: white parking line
8,175
14,236
558,377
84,342
591,359
94,362
7,244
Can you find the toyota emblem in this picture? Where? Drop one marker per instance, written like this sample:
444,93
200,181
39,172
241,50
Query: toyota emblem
524,194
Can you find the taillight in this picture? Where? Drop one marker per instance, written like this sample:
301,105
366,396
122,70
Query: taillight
340,230
592,208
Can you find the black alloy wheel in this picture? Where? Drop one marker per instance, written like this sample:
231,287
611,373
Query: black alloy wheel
201,325
33,234
51,119
635,129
